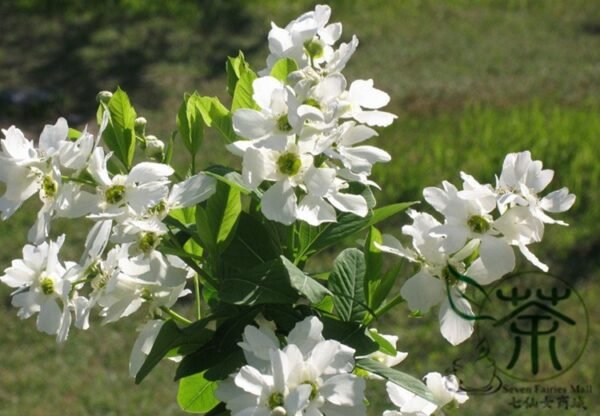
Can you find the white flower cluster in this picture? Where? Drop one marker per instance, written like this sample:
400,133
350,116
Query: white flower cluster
481,223
305,135
308,376
444,389
72,180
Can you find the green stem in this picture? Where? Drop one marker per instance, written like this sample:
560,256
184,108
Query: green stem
181,319
197,293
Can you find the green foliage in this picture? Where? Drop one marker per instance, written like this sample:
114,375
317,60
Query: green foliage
190,124
311,240
347,281
239,82
282,68
307,286
197,394
214,114
439,126
408,382
215,223
119,135
171,338
235,68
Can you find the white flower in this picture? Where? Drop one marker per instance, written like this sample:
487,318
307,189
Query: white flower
186,193
292,168
142,235
363,102
444,389
286,168
309,41
39,278
433,283
310,376
24,170
274,122
323,193
468,218
519,227
357,159
520,182
191,191
408,403
144,187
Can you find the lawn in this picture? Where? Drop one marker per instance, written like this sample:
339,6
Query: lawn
470,81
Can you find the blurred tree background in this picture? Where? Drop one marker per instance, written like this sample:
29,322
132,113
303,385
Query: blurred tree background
470,81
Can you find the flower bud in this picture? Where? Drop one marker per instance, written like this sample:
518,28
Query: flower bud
104,96
154,148
140,126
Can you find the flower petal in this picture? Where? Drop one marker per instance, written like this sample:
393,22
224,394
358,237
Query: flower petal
453,327
279,203
422,291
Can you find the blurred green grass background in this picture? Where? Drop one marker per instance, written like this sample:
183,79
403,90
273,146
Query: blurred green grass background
470,81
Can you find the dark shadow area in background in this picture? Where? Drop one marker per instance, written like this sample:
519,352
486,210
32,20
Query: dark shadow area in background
56,55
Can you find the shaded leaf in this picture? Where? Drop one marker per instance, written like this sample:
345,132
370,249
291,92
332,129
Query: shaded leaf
347,282
251,245
266,283
352,334
303,283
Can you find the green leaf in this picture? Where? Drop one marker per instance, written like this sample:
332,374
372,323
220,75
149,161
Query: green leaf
352,334
219,410
216,223
251,245
266,283
224,208
306,285
190,124
221,355
283,68
196,394
347,282
384,345
73,134
384,213
193,248
234,68
404,380
217,116
379,289
119,135
171,337
167,339
286,317
242,96
313,241
185,216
